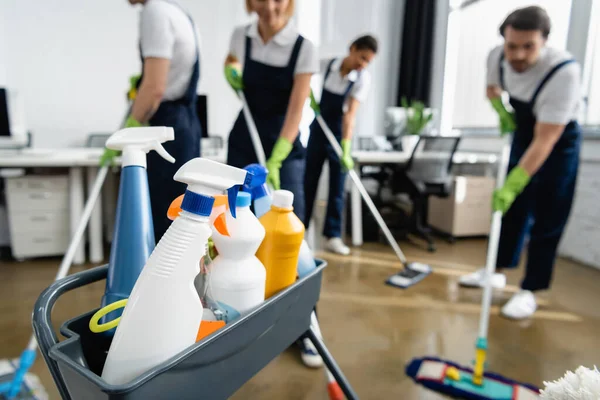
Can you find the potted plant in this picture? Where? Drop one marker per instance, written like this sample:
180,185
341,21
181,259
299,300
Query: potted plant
417,119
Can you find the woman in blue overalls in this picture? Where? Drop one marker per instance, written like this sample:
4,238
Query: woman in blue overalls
277,64
538,193
180,113
345,85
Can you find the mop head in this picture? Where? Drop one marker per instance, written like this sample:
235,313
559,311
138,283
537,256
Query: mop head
411,274
431,373
584,384
31,386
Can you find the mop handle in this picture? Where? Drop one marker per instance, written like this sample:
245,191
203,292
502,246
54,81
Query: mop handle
258,148
493,242
67,260
365,195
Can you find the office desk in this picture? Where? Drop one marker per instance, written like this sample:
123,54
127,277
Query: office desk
363,158
77,160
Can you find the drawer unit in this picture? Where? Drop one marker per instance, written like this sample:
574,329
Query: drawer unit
39,244
38,215
41,221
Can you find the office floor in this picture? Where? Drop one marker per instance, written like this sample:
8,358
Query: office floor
372,329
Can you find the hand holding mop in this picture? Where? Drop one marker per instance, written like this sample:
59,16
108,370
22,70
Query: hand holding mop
459,382
412,272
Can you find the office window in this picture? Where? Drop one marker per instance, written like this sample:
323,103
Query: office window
592,108
479,25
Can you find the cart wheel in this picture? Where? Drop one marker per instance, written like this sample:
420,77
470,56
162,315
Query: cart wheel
451,240
431,248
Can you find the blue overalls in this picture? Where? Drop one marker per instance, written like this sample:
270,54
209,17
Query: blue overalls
317,150
181,115
542,209
267,90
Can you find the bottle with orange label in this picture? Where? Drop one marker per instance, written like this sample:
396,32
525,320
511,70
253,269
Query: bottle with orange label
280,248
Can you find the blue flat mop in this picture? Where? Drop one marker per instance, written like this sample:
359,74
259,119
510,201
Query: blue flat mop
460,382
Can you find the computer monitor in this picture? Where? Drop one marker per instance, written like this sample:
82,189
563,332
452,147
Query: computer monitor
4,124
202,111
13,132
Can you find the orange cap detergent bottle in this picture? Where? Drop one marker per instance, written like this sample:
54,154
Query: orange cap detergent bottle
280,248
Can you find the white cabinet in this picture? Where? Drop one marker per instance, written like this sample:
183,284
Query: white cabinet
38,215
467,211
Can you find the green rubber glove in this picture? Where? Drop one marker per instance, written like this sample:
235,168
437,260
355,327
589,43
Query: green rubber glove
313,103
108,157
280,152
346,160
507,119
132,123
516,181
133,82
212,250
234,77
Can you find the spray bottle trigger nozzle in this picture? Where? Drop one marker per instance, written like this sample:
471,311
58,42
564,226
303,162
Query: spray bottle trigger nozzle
231,198
163,152
233,191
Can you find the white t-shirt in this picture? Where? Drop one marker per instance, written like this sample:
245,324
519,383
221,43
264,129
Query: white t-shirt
559,100
277,51
167,32
338,84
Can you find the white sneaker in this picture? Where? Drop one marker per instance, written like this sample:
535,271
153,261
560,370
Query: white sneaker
310,356
475,279
335,245
522,305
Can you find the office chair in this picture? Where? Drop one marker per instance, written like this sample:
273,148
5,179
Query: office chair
427,173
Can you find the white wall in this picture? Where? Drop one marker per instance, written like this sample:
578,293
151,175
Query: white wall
71,60
344,20
593,67
3,50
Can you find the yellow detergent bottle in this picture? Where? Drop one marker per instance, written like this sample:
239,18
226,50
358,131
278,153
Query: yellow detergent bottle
279,250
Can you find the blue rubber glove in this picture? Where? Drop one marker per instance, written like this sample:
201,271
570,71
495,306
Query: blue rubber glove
233,74
280,152
346,160
504,197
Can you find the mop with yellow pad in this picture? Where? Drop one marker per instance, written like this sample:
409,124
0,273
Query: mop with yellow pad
413,272
476,384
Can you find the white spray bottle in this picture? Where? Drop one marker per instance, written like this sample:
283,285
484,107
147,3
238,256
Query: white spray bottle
163,314
238,278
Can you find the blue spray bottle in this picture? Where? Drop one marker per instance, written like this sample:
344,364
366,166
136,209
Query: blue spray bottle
133,239
261,201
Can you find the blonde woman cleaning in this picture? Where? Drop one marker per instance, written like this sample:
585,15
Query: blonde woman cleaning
273,64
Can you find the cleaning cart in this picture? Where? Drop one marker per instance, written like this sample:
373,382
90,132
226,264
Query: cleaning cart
215,367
